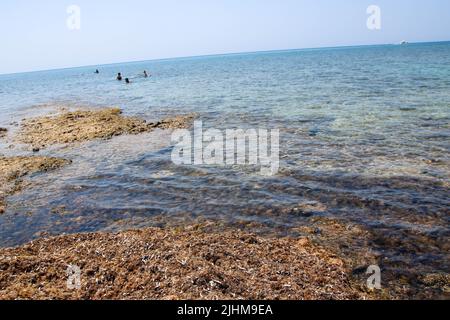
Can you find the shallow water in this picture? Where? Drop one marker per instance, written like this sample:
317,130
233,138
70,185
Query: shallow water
365,135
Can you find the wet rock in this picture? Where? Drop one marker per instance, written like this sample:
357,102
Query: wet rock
3,132
13,169
437,280
306,209
360,270
434,161
177,122
84,125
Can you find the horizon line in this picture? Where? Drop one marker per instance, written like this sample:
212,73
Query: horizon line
216,55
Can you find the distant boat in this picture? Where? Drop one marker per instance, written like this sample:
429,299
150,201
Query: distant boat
404,42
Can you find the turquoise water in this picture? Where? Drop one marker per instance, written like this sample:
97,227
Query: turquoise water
365,136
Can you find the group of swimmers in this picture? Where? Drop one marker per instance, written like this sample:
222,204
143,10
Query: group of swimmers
127,80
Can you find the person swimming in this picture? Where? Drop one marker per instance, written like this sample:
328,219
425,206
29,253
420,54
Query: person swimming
119,76
127,81
145,74
96,71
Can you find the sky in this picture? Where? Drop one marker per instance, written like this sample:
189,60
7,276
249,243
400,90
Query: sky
34,34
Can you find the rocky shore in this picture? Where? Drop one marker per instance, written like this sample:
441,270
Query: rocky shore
85,125
66,128
156,263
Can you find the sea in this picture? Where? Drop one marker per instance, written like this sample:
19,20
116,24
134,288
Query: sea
364,140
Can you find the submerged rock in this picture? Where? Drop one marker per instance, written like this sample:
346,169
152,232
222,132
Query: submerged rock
3,132
13,169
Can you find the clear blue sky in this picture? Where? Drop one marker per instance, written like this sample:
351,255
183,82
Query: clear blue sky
34,35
